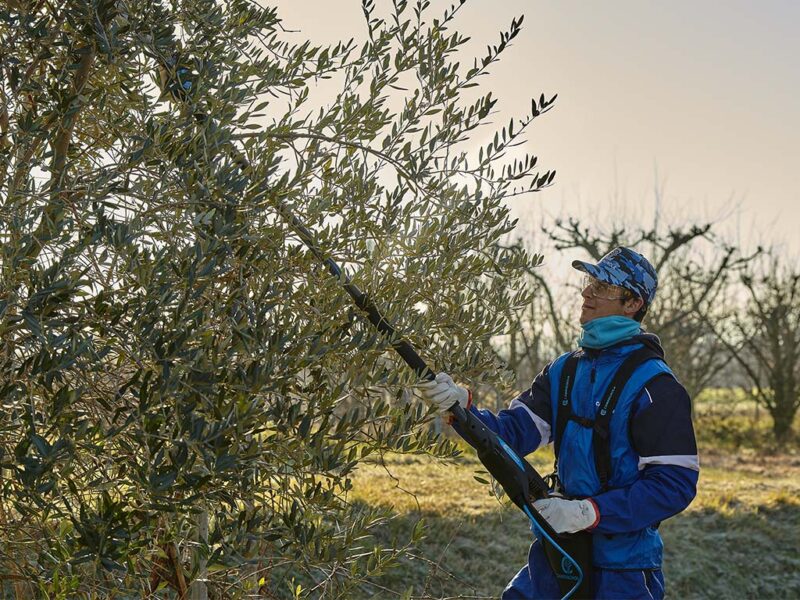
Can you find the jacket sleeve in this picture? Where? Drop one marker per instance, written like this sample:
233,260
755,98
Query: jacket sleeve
663,436
525,424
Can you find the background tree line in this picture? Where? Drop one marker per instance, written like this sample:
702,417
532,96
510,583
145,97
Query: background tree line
727,318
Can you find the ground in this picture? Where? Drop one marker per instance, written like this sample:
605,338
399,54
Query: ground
740,538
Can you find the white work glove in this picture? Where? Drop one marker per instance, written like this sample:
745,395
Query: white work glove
568,516
443,393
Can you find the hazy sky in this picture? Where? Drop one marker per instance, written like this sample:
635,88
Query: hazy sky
705,93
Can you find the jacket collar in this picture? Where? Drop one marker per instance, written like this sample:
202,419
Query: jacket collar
625,346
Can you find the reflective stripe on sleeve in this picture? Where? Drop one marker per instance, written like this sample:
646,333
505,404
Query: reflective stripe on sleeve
688,461
541,425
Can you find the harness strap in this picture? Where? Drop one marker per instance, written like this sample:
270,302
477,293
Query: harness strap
601,432
582,421
601,436
564,408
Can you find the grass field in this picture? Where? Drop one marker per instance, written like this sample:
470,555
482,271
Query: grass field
740,538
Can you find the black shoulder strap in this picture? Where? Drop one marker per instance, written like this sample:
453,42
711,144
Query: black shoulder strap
601,438
564,406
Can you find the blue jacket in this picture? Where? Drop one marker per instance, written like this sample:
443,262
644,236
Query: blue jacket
654,455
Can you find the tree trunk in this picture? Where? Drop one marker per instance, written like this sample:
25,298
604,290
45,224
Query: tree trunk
783,413
199,590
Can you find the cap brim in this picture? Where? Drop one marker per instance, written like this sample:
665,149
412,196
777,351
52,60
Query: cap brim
590,269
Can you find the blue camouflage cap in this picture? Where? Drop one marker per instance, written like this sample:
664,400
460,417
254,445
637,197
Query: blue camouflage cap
625,268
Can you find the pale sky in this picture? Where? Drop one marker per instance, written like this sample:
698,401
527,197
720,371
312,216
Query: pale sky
706,93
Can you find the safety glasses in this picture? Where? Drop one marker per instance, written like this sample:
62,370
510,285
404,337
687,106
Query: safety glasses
602,290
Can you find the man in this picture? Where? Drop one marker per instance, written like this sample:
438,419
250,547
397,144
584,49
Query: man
626,456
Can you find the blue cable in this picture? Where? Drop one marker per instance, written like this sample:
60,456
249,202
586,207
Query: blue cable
538,530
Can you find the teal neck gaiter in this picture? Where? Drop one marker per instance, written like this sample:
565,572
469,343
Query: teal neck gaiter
607,331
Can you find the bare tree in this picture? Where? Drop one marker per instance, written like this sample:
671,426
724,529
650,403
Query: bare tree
539,329
764,337
692,286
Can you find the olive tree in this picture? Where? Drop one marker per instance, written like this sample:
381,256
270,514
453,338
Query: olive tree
186,393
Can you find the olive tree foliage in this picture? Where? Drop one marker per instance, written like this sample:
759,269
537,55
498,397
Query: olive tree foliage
170,350
763,337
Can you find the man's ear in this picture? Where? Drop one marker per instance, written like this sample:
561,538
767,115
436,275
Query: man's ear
633,306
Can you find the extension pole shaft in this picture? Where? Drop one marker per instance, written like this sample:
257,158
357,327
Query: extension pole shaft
519,479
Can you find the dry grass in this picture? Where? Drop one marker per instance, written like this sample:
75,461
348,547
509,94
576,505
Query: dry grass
741,536
739,539
473,544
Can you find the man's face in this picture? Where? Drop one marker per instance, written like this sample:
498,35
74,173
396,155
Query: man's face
604,300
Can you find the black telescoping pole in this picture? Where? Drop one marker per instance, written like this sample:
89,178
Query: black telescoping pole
569,556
